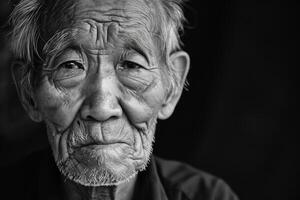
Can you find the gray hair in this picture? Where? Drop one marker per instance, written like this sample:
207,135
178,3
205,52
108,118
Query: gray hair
27,27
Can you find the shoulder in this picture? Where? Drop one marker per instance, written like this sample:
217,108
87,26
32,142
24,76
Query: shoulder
189,183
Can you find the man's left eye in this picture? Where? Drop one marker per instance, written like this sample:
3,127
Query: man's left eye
129,65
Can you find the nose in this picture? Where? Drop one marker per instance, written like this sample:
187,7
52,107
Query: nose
101,102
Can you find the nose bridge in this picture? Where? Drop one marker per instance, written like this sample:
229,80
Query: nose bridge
101,81
102,92
101,100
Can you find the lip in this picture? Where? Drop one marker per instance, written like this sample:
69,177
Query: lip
96,146
91,155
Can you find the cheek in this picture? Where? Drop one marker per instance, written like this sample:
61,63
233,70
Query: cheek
143,107
58,107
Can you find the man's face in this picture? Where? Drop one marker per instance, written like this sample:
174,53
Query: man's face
102,98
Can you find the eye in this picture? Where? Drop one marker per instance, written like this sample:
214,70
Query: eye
69,70
71,65
129,65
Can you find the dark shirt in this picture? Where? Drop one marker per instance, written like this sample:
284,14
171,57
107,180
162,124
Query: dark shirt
39,178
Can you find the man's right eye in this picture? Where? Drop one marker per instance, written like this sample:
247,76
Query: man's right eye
71,65
69,73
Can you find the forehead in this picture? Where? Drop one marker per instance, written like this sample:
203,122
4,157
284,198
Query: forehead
112,20
116,21
129,9
112,4
61,14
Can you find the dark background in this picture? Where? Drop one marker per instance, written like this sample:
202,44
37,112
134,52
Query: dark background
238,118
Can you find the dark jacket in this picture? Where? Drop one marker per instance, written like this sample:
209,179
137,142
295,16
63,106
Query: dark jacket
39,178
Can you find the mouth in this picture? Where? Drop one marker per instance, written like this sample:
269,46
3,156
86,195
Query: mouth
92,154
98,147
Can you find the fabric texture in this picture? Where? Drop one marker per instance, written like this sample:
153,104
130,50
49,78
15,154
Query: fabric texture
37,178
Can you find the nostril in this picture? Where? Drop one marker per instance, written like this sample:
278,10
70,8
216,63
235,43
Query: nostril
113,117
90,118
100,110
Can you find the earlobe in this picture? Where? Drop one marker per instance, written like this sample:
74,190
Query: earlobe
180,64
26,97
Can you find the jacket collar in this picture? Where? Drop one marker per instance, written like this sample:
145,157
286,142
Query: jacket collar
149,186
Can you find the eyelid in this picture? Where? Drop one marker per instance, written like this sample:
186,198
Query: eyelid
130,55
65,73
71,61
69,55
133,63
140,52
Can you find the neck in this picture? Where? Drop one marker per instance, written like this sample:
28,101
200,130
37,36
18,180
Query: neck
74,191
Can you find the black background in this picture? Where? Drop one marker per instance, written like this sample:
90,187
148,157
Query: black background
238,118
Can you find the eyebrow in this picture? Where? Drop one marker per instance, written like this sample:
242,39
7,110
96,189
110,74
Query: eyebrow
144,48
139,49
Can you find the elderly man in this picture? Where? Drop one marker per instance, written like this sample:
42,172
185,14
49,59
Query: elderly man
99,73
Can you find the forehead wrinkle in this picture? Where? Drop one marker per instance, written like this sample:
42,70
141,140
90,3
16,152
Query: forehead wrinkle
101,36
118,37
104,3
146,18
143,47
131,12
100,15
136,21
65,13
144,14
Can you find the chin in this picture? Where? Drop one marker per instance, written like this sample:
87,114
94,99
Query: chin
102,166
92,164
106,165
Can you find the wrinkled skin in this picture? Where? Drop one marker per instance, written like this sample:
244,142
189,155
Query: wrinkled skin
101,100
102,94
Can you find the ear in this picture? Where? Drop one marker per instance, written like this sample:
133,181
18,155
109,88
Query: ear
26,97
180,62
